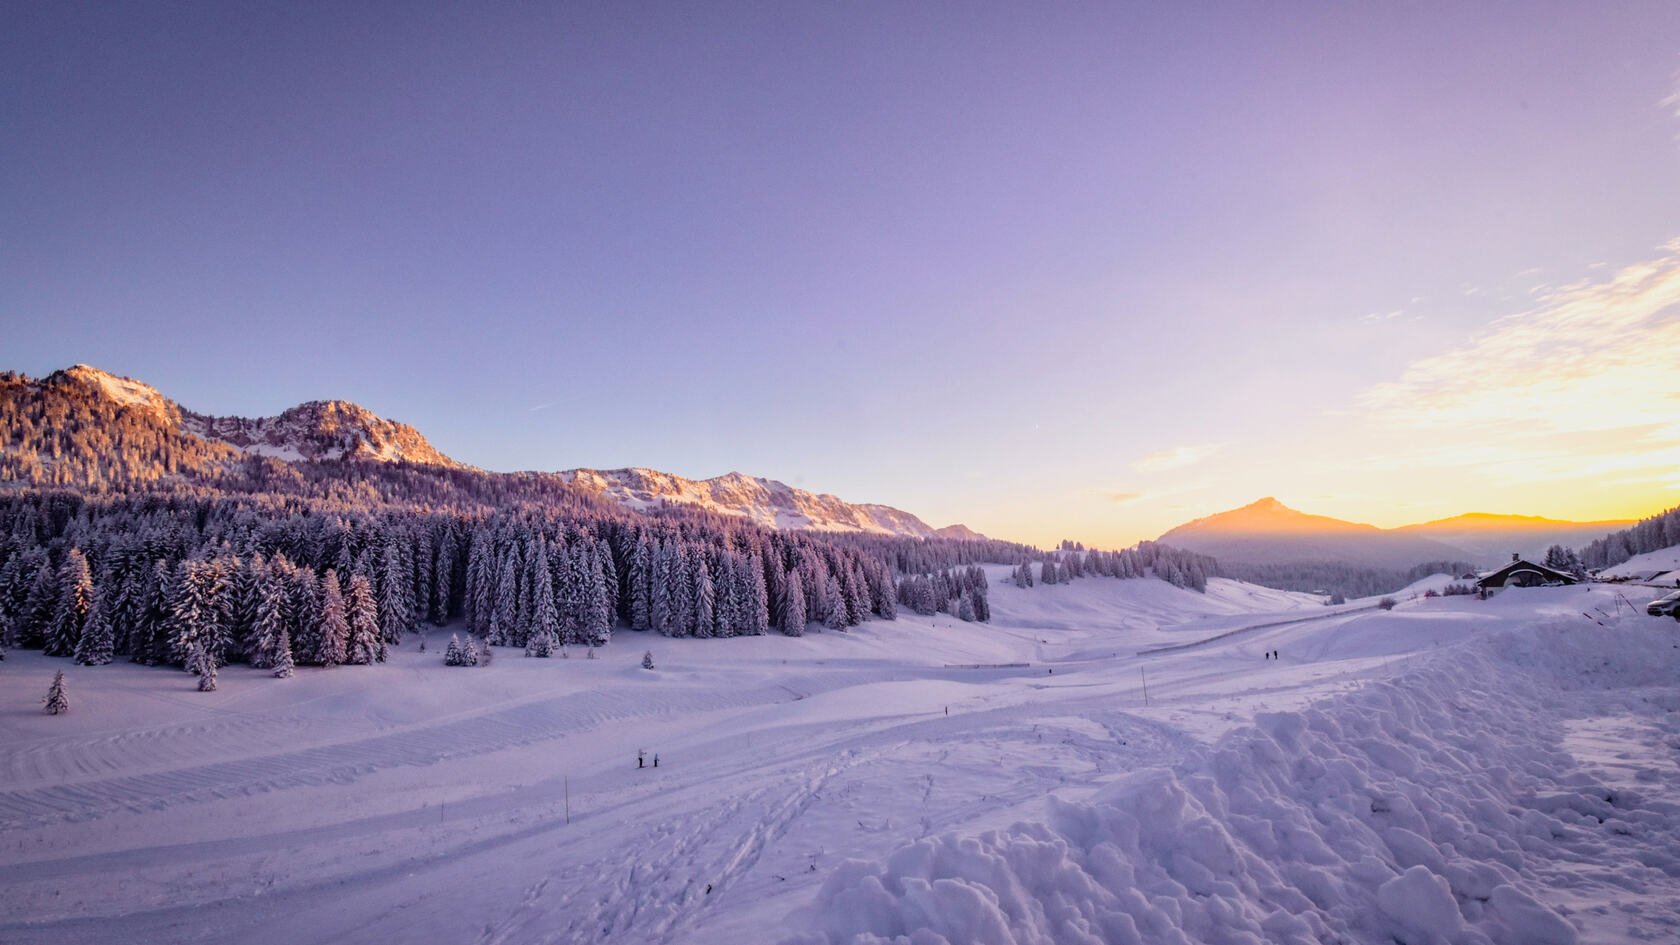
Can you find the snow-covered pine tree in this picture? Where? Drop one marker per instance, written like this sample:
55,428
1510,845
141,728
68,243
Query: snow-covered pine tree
97,645
705,599
471,655
396,592
270,623
545,630
793,613
647,660
150,639
836,617
75,599
600,615
200,662
365,644
758,598
641,580
664,617
283,657
196,611
443,577
452,655
56,700
332,643
504,626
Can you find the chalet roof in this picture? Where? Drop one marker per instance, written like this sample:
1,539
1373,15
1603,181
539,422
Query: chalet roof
1499,577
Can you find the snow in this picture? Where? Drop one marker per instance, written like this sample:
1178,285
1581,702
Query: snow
1451,770
123,390
1653,566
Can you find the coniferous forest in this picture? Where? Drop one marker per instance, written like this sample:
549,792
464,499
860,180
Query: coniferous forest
126,536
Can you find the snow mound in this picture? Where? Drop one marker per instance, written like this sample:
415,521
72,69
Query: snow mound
1437,807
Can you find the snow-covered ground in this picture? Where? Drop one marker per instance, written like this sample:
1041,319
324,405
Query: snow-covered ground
1453,770
1658,567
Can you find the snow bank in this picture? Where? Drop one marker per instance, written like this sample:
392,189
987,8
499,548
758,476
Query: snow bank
1434,808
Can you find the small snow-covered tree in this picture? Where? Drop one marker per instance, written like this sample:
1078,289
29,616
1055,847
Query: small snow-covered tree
647,660
283,655
836,618
56,700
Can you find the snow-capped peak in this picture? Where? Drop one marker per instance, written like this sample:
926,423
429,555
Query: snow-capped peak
123,390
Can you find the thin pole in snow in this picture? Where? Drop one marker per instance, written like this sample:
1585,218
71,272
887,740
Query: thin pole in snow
566,782
1145,677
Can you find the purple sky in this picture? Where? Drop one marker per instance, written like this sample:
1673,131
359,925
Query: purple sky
1052,270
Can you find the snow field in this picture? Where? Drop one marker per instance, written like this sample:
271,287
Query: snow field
421,803
1434,807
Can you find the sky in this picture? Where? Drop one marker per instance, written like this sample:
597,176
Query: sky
1051,270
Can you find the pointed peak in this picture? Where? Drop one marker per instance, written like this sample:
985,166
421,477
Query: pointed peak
1268,504
123,390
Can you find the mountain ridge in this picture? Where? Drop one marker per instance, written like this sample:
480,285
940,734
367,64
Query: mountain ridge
1267,532
342,430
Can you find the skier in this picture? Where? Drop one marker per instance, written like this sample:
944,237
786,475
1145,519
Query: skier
641,755
656,759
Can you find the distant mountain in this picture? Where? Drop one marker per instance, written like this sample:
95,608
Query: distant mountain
84,426
1268,532
1489,539
764,501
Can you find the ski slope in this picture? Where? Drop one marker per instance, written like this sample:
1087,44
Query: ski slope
1451,770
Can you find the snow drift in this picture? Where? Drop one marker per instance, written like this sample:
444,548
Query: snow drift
1437,807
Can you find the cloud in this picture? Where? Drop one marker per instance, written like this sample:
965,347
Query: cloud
1123,497
1176,458
1585,382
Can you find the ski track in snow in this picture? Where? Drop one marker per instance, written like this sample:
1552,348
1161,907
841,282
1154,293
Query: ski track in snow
432,805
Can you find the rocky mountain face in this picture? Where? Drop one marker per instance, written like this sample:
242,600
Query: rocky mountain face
764,501
83,426
320,429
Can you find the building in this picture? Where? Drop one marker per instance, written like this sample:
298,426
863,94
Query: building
1520,573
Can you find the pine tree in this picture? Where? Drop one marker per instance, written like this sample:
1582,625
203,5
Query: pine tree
333,642
471,655
57,702
793,612
705,599
443,579
270,624
97,646
641,583
396,593
283,659
201,661
39,606
545,630
75,599
836,618
196,612
365,644
647,660
503,627
452,655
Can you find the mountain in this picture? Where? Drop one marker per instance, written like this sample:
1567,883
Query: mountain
84,426
1489,539
764,501
1268,532
320,429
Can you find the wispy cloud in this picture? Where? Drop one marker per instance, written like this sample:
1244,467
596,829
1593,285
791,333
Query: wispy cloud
1124,497
1584,382
1176,458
